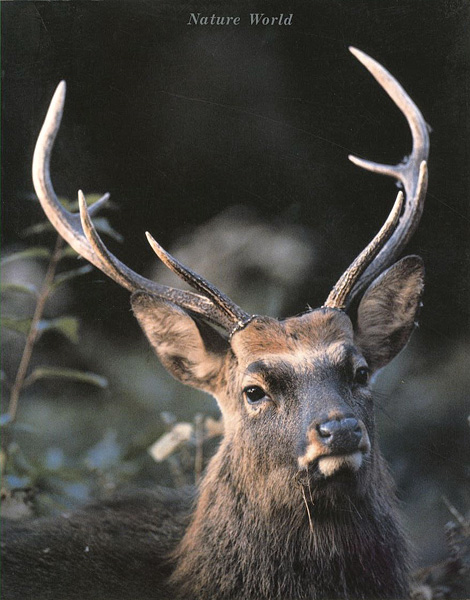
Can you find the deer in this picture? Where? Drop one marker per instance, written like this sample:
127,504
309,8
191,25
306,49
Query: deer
297,501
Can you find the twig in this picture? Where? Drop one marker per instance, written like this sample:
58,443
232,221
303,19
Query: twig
310,523
33,332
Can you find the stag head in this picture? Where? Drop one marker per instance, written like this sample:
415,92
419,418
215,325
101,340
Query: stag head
303,381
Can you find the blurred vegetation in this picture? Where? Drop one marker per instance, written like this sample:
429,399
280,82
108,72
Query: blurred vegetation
25,317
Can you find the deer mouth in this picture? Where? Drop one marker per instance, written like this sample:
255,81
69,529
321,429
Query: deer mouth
330,465
334,466
334,479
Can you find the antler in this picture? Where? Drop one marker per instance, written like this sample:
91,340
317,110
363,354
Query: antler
412,174
80,233
213,305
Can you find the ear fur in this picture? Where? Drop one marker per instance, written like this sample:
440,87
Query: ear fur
388,311
189,350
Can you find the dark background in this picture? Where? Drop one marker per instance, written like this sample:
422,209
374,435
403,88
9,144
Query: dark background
179,122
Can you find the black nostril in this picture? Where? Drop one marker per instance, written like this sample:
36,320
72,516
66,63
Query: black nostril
341,435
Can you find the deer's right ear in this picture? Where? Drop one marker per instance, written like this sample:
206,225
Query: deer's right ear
388,311
189,350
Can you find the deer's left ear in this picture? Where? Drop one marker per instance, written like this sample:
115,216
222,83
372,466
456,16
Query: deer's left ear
388,311
189,350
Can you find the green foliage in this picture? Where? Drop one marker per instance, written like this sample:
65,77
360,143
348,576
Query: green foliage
67,326
16,324
50,472
25,288
67,375
101,224
29,253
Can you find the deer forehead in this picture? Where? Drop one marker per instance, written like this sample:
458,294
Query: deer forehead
297,341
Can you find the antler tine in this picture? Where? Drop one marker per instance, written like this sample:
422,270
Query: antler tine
99,249
79,232
233,311
412,174
405,172
66,223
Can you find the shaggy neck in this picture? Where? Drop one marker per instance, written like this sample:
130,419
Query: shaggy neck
318,547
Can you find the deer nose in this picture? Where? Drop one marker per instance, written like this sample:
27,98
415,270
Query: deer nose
341,436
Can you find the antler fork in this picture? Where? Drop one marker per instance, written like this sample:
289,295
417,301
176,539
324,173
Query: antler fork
413,176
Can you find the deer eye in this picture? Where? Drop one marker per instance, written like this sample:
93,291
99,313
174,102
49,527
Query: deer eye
361,376
254,394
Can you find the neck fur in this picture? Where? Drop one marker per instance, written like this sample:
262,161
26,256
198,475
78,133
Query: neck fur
248,539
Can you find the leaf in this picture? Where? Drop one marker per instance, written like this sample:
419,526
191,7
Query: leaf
22,288
66,374
69,252
69,275
101,224
16,324
90,200
41,227
67,326
34,252
67,204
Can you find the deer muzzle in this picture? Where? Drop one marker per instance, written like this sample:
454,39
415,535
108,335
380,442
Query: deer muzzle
336,444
